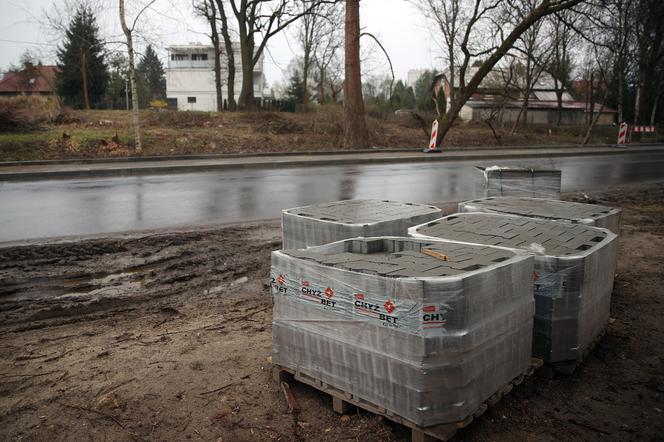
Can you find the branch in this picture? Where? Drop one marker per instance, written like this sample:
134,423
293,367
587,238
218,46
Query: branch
386,55
133,25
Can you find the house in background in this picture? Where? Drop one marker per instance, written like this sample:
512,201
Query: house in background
500,95
32,80
190,77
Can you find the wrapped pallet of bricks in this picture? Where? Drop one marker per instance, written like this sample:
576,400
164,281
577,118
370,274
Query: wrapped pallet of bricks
427,330
573,279
517,181
328,222
577,213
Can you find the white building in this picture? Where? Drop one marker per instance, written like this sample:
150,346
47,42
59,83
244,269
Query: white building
190,77
413,76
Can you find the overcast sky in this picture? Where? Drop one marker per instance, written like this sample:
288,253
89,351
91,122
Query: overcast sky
396,23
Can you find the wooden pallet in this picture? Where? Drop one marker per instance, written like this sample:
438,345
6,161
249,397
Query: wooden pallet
550,369
342,402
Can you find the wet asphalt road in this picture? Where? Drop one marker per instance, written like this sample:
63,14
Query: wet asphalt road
36,209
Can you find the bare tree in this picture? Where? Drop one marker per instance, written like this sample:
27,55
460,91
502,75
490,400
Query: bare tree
132,71
208,10
563,41
257,22
481,10
327,54
606,45
649,29
505,83
535,51
355,127
448,16
230,54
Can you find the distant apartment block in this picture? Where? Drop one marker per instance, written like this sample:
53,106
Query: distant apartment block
413,76
190,77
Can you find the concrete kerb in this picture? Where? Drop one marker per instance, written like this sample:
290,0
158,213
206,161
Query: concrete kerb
350,159
140,159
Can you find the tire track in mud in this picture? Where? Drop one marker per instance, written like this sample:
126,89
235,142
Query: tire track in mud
59,282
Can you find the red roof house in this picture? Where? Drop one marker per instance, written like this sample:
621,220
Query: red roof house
33,80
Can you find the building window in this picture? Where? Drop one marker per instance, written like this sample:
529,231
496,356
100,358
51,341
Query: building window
178,57
191,99
199,57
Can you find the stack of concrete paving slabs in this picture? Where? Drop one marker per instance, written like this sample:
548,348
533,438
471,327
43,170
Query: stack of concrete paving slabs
517,181
325,223
578,213
427,330
573,279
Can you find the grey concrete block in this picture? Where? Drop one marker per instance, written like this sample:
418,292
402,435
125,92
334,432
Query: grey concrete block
577,213
428,345
573,276
328,222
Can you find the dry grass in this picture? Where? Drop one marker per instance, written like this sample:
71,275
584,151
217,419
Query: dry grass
108,133
25,113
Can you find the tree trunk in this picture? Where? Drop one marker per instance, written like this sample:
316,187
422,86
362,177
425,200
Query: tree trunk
637,103
559,99
230,56
621,96
84,80
214,36
654,106
591,108
132,80
305,76
593,122
529,87
452,77
321,87
355,127
217,76
246,101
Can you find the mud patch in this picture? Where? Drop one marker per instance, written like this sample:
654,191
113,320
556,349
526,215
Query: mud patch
167,337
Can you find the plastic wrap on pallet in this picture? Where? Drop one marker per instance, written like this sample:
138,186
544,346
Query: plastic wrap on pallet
573,279
578,213
517,181
329,222
424,338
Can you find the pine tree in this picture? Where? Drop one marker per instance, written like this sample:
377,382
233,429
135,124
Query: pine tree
117,89
295,90
424,102
402,96
82,78
151,77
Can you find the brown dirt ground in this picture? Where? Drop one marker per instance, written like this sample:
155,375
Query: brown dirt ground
160,337
107,134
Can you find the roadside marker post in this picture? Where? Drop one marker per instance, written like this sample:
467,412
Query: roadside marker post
622,133
434,136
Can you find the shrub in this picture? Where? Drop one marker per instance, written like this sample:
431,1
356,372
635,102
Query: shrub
328,120
179,119
26,112
158,104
